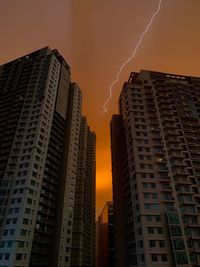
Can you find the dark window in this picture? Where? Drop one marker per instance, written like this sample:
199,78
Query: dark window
154,257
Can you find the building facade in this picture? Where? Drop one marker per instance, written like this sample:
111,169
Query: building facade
156,171
83,239
105,237
40,120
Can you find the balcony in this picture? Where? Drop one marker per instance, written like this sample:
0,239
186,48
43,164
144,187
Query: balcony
193,148
170,125
162,168
158,151
195,156
180,172
165,178
182,181
151,108
174,156
166,188
178,163
167,119
196,250
185,192
154,124
168,199
174,147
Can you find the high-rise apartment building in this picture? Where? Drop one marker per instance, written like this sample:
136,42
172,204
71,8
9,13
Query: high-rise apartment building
83,239
40,122
156,171
105,237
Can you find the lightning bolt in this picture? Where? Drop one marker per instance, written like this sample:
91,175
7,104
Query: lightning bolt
132,56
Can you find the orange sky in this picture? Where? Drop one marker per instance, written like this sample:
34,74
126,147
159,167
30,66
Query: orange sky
95,36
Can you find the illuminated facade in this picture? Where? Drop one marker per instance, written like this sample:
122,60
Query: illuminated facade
40,119
156,171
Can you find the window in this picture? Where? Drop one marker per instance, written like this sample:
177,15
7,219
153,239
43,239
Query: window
146,195
164,257
20,244
151,206
145,185
5,232
155,196
2,244
181,258
34,174
139,230
173,218
150,230
23,232
33,182
149,218
143,175
160,230
12,231
178,244
156,206
154,258
176,230
19,200
162,243
7,256
158,218
9,244
25,221
193,258
141,257
10,211
151,175
29,200
152,243
14,220
8,221
16,210
27,211
18,256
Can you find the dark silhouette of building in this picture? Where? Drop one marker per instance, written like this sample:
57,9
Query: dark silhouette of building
83,242
40,129
156,171
105,237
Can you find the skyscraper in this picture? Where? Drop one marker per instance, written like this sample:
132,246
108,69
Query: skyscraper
40,119
105,237
156,171
83,239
